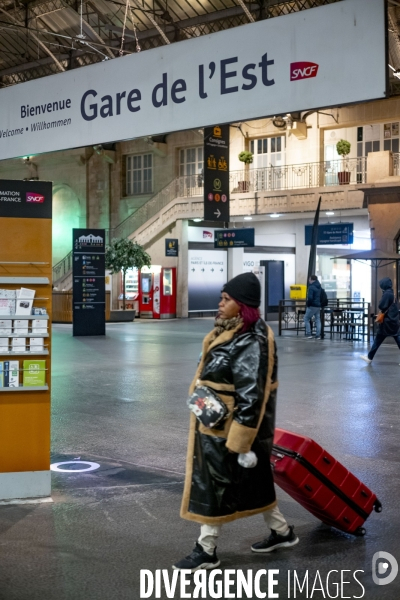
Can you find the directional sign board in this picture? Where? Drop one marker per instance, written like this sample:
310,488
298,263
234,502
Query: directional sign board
216,173
234,238
331,233
88,276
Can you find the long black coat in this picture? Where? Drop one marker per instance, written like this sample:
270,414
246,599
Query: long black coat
390,325
242,369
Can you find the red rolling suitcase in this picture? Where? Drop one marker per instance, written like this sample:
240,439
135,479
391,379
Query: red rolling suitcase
320,483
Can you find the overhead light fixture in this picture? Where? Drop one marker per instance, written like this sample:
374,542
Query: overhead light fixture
197,220
329,213
396,72
274,215
248,218
279,122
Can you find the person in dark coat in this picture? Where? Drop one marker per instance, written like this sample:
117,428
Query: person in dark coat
239,363
390,325
313,309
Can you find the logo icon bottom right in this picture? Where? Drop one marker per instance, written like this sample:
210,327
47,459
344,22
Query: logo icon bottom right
379,568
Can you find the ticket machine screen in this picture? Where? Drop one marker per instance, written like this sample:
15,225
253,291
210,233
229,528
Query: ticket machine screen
146,284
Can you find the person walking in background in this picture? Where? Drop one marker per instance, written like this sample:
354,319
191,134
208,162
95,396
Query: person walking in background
313,309
228,471
390,326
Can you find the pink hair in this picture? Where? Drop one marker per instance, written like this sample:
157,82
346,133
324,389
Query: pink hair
249,315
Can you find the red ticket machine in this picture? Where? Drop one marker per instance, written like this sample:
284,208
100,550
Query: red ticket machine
157,292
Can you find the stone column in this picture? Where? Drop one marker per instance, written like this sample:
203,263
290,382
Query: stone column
182,301
384,214
99,189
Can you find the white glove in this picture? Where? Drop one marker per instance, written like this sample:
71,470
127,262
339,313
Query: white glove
248,460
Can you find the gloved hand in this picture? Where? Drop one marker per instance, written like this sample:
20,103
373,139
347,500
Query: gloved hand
248,460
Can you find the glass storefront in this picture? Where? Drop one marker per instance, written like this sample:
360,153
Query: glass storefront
334,276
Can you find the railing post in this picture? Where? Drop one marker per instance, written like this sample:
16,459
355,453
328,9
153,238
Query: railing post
280,317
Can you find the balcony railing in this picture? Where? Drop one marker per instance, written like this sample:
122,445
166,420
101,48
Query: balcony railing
307,175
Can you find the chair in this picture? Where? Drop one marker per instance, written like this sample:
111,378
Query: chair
337,324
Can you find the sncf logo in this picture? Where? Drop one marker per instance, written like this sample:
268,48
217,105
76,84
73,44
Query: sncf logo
303,70
33,197
207,234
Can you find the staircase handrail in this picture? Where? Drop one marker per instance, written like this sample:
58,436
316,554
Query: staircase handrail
63,267
190,185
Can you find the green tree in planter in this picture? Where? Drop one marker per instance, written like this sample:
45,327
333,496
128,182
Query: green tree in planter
245,157
125,254
343,148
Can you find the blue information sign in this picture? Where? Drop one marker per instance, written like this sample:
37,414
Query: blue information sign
234,238
331,233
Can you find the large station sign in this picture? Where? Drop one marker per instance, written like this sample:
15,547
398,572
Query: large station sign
326,56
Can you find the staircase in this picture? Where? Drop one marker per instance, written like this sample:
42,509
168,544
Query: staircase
62,273
181,187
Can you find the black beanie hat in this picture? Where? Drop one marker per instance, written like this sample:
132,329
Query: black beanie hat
245,288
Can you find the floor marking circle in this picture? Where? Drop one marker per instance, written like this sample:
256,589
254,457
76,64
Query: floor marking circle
92,466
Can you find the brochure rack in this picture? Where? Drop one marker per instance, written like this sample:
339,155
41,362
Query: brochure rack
25,261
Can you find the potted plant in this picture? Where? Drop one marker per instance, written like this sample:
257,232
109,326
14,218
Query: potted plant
343,149
122,255
247,158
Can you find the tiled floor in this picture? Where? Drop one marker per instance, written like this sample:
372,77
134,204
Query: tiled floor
120,401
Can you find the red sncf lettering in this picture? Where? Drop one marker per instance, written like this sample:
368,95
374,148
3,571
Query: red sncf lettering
303,70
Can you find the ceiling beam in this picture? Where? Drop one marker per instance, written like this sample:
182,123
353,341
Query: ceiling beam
217,15
43,46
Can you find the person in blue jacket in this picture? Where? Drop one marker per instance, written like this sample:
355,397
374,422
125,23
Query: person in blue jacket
313,304
390,325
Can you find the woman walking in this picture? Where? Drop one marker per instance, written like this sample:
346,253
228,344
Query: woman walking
390,324
239,364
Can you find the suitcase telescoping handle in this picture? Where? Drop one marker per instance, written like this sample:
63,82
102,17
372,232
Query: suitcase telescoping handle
280,452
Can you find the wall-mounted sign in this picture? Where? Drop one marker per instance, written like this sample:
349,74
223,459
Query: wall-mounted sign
331,233
216,173
234,238
26,199
281,65
171,247
88,277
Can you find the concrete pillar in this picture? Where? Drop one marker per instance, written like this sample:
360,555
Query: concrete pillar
385,228
99,189
379,165
302,253
182,303
235,262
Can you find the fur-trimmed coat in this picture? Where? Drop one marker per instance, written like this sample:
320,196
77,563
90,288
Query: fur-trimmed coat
242,369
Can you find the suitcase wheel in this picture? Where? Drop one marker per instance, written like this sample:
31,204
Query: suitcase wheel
360,531
377,506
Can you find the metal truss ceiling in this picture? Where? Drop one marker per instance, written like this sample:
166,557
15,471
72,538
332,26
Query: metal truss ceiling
42,37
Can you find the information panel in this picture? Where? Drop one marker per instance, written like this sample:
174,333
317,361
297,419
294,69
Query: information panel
216,173
89,292
234,238
171,247
331,233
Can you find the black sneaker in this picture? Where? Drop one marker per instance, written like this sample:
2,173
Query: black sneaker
275,541
198,559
